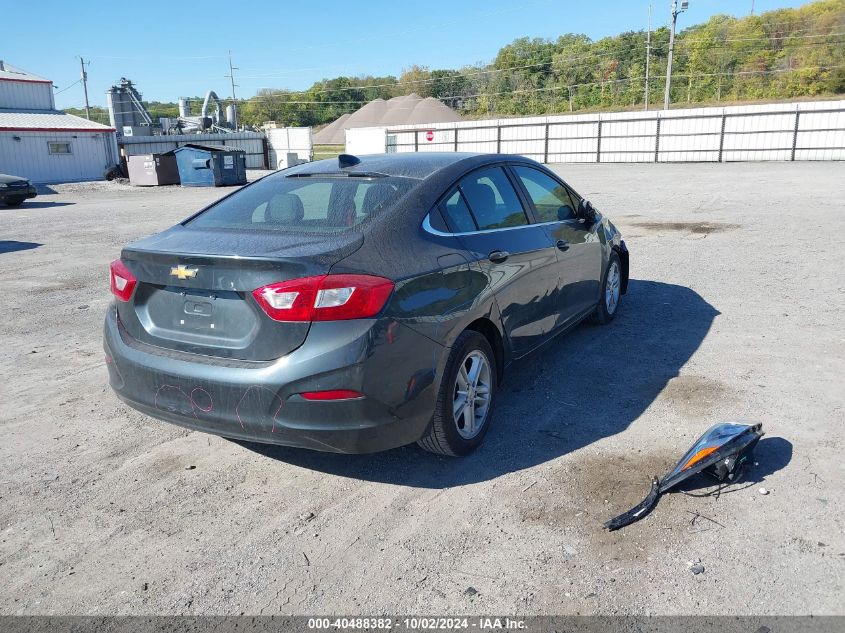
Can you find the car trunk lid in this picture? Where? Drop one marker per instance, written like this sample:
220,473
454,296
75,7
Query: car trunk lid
194,289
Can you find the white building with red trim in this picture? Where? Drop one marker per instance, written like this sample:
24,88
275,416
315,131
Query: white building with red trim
43,144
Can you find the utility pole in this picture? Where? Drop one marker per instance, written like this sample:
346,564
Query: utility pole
675,12
647,56
231,76
84,77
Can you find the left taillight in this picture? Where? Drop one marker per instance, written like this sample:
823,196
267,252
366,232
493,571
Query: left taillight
122,281
324,298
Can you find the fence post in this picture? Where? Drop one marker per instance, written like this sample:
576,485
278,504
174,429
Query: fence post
456,139
598,142
657,140
722,136
416,140
498,138
795,134
546,146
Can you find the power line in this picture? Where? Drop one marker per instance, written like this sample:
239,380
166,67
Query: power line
729,20
592,83
764,48
554,61
282,92
157,58
445,78
640,78
732,74
767,39
622,50
58,92
799,22
330,104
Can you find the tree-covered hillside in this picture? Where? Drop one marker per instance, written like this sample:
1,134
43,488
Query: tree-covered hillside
780,54
783,54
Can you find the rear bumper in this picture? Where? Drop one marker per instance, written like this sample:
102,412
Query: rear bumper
395,368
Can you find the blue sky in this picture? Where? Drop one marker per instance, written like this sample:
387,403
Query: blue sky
179,48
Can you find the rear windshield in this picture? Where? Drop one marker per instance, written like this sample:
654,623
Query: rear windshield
313,204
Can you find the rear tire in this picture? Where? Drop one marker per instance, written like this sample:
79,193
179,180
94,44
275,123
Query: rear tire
469,378
611,292
113,173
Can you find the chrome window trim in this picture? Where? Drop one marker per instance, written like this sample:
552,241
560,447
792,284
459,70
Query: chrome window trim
426,225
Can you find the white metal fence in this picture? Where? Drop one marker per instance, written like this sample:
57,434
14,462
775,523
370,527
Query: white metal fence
783,131
253,143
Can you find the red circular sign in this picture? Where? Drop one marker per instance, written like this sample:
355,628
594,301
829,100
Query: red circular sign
429,135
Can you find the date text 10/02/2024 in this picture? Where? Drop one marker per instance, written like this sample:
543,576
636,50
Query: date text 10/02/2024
419,623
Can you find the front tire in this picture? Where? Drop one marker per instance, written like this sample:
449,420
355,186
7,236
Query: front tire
465,402
611,292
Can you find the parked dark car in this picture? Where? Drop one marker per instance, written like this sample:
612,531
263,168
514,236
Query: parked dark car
14,190
356,305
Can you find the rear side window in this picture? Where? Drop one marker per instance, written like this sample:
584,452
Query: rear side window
312,204
551,199
492,200
457,214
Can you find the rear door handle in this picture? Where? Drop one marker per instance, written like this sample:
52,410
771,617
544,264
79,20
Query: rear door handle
562,245
497,257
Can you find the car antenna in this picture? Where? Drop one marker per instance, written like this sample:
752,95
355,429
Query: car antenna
347,160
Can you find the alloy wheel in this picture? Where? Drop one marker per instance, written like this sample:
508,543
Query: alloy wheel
472,394
611,291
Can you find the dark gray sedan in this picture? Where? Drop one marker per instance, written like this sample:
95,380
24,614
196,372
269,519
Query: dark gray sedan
14,190
359,304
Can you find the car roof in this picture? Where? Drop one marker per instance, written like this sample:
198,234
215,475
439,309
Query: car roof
419,165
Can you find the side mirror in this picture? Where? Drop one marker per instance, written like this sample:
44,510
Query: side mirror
586,211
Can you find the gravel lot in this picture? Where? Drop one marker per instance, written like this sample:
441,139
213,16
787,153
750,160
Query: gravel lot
734,312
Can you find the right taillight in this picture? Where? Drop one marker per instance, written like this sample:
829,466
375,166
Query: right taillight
324,298
122,281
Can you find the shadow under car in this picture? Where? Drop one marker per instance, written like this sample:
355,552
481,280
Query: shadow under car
589,384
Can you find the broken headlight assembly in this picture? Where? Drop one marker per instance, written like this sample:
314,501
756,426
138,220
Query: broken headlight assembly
722,452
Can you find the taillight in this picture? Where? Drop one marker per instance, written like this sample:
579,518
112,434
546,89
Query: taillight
324,298
122,281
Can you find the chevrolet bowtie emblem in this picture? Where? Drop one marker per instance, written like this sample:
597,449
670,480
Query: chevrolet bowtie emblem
183,272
